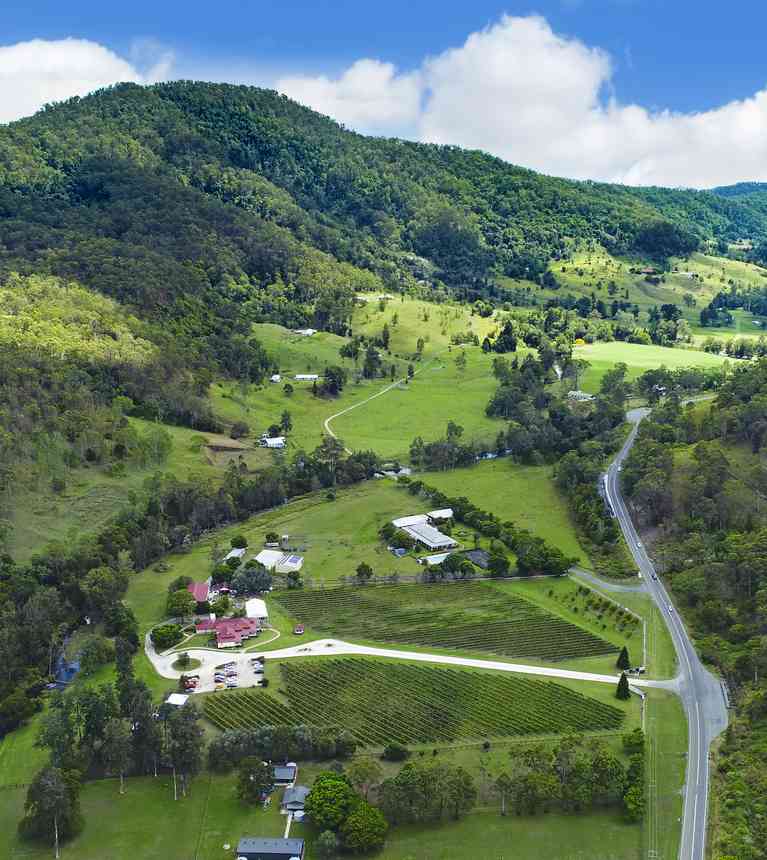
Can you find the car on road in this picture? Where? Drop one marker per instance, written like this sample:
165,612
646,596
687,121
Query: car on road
655,576
639,543
670,609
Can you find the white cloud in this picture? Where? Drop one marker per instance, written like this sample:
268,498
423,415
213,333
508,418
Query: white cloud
533,97
37,72
369,95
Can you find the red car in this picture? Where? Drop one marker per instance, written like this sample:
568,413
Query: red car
298,630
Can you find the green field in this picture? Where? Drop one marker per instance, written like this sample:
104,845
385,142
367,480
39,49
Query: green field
597,836
438,393
638,358
524,494
458,616
383,702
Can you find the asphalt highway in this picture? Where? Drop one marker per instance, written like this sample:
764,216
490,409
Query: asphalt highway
701,693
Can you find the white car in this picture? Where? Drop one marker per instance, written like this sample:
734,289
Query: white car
670,609
639,544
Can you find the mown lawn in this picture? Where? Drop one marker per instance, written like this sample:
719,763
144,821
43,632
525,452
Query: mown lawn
486,835
524,494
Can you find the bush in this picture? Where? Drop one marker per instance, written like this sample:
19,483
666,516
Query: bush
395,752
239,430
239,542
165,636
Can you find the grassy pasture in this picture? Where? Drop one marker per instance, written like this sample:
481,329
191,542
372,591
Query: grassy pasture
382,702
525,494
436,324
458,616
92,495
438,393
638,358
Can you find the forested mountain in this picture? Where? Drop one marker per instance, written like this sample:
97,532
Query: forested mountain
740,189
199,209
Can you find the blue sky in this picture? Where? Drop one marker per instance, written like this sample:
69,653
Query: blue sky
675,54
678,56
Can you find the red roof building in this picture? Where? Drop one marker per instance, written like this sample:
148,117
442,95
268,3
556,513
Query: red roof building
198,590
230,631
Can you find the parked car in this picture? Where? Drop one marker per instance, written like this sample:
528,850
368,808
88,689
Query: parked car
298,630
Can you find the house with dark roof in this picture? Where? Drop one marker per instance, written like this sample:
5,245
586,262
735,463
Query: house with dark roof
285,774
294,798
249,848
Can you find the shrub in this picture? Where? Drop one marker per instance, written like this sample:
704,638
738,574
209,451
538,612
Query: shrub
239,542
165,636
395,752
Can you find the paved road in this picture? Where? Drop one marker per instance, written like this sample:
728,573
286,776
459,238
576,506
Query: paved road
606,584
336,647
701,693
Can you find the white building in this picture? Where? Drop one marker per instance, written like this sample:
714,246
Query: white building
280,562
441,514
275,377
430,537
237,552
273,442
415,520
256,608
178,700
430,560
307,377
306,332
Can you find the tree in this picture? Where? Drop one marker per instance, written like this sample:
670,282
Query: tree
503,786
239,542
410,371
286,422
622,691
364,572
116,748
287,389
460,361
330,801
251,579
185,744
180,604
364,829
255,779
364,773
52,808
165,636
326,845
623,661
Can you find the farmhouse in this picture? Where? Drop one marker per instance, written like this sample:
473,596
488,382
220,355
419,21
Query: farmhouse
285,774
441,514
249,848
256,608
430,537
272,442
199,590
237,552
178,700
307,377
415,520
280,562
275,377
306,332
579,396
230,632
294,798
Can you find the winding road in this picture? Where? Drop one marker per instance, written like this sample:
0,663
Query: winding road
701,693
